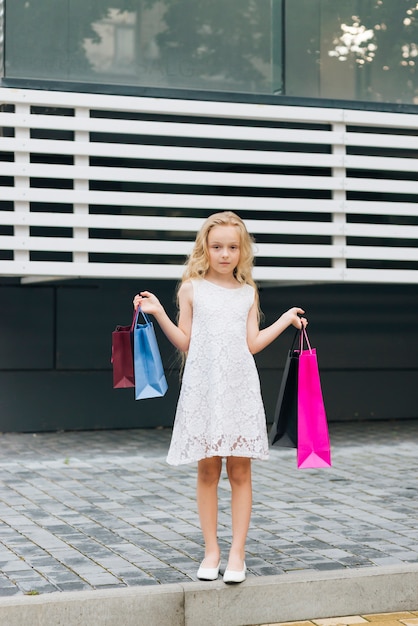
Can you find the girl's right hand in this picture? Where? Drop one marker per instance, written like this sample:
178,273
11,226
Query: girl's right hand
148,302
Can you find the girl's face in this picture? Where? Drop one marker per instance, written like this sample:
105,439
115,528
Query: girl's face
223,249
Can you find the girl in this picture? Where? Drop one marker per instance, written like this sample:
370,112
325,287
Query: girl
220,411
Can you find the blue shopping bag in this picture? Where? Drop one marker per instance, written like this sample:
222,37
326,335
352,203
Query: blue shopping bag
150,381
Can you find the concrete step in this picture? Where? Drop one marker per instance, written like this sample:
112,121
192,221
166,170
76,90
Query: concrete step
259,600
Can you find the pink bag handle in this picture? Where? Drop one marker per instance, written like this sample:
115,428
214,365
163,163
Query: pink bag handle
304,336
134,318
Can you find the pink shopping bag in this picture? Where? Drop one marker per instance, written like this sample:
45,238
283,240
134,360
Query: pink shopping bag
313,449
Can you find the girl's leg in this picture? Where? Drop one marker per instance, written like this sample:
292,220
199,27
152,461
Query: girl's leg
239,474
208,474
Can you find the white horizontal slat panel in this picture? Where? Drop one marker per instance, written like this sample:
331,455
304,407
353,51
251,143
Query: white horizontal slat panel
174,177
183,248
346,252
388,253
246,179
167,272
359,207
297,251
384,140
172,129
180,201
380,186
180,177
365,275
151,247
128,222
92,270
199,108
381,230
281,227
104,246
387,164
191,225
174,153
379,118
151,223
334,275
158,271
163,106
175,201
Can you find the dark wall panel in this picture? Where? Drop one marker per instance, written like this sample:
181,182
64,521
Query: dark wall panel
50,401
26,328
55,370
352,326
362,395
87,314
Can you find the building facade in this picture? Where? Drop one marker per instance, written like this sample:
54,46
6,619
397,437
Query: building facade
124,124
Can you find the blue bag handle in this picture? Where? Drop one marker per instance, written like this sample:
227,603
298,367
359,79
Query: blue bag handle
138,311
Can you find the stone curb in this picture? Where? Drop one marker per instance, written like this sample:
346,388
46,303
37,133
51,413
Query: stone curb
260,600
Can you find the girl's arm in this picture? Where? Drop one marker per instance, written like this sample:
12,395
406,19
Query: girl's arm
179,335
259,339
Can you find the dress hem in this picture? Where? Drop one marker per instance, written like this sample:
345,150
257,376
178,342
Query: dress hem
264,457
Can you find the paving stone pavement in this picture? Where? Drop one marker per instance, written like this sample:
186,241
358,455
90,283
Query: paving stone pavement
102,509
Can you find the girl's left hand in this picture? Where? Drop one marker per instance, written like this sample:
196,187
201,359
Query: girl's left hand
304,322
294,317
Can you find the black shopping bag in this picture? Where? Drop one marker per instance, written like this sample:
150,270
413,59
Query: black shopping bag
284,431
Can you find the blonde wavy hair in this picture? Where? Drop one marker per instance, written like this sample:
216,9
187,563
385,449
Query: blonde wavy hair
197,264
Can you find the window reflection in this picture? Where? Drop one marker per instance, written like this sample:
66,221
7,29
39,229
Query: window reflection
339,49
220,45
112,51
353,50
357,41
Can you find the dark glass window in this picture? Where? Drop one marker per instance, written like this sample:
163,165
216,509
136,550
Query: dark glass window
181,44
352,49
335,49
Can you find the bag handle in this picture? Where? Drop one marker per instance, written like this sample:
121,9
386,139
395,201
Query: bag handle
137,312
296,341
304,336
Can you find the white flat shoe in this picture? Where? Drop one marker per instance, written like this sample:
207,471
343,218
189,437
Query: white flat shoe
208,573
235,576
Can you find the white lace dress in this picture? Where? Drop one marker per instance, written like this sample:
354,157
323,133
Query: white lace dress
220,410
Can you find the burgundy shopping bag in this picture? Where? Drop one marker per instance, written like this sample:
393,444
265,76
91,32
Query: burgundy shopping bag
122,356
313,449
